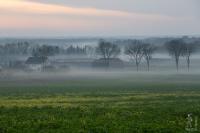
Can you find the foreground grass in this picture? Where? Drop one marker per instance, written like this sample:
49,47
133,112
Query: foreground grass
129,104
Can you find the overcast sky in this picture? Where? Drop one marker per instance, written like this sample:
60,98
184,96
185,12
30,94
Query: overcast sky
99,17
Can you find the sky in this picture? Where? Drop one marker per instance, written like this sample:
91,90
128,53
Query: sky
43,18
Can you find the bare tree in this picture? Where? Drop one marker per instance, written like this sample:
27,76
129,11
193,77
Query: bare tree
176,49
90,51
107,50
135,50
189,48
148,50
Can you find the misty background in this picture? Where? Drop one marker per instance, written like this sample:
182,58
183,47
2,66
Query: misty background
55,36
68,54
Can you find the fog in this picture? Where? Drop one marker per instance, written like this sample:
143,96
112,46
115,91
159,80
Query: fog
21,60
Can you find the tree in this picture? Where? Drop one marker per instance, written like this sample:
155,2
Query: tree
134,49
45,51
11,52
107,50
90,51
75,50
176,49
148,50
189,48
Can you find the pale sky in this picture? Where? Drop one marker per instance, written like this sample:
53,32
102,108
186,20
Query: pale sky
99,17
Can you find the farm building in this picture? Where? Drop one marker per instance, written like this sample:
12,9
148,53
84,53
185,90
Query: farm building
36,63
112,63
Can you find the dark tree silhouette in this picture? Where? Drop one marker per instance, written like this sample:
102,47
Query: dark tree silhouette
148,50
107,50
134,49
189,48
45,51
90,51
75,50
176,49
19,48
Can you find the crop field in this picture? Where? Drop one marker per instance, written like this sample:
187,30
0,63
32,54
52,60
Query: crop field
99,103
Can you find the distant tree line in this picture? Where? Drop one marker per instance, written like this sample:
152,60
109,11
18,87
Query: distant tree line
138,50
74,50
45,51
135,49
26,48
19,48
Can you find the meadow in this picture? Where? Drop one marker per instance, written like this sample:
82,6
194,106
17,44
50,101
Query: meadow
103,102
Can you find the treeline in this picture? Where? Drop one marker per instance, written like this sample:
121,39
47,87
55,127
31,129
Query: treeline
74,50
26,48
12,53
19,48
45,51
138,50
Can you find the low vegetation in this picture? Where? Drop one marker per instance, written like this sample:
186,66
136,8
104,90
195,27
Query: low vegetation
116,103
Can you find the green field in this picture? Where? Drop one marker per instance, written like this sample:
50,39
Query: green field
121,103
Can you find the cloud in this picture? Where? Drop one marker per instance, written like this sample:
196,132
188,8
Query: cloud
28,7
19,16
28,11
37,8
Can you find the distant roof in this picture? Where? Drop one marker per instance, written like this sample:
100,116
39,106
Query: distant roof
113,62
36,60
110,60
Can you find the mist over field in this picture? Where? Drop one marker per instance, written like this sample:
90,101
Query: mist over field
100,84
99,66
22,60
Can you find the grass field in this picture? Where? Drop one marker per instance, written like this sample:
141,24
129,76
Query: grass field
99,103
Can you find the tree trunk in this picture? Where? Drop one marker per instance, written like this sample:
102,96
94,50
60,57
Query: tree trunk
106,65
148,64
188,63
137,65
177,63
